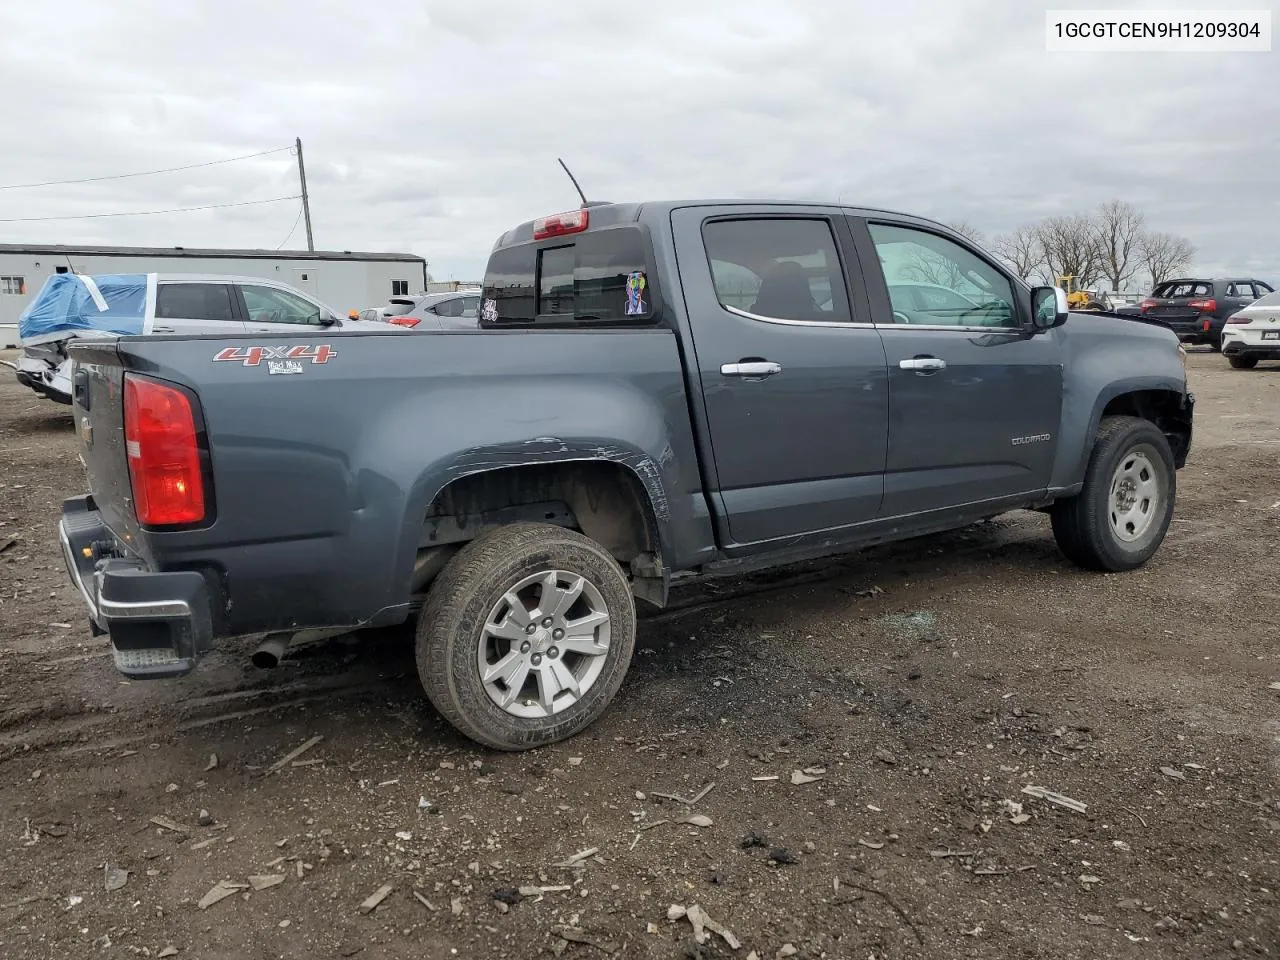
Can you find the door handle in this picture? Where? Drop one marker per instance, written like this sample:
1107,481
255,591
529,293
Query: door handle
750,368
162,330
923,364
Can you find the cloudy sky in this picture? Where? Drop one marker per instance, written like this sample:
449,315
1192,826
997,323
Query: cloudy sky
433,125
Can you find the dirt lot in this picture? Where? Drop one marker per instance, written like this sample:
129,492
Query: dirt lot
923,686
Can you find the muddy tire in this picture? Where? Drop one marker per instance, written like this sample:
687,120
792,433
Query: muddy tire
1242,363
526,636
1121,516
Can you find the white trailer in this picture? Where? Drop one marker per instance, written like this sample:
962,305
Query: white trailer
342,280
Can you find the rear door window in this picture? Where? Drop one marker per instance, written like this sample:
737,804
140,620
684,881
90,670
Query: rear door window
1241,289
194,301
777,269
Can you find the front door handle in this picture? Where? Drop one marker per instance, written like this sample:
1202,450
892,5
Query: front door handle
923,364
163,330
750,368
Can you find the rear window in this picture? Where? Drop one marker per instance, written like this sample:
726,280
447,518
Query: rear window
601,276
1183,288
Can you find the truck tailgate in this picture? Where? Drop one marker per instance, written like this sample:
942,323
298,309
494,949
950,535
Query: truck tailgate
98,408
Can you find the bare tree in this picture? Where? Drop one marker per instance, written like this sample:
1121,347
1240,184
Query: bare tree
968,231
1119,233
1022,251
1165,254
1070,245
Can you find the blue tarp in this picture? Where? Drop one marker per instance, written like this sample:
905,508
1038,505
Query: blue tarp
66,306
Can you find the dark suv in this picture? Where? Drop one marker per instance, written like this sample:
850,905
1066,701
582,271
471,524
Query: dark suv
1196,310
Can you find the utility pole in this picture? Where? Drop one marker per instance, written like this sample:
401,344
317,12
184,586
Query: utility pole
306,202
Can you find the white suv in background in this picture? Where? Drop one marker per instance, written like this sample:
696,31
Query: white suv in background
1253,334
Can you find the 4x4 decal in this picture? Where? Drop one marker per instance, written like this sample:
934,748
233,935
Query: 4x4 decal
254,356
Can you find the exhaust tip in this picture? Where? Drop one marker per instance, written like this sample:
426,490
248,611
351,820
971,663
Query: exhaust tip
270,653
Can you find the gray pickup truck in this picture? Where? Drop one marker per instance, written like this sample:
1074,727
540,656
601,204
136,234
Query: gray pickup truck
652,391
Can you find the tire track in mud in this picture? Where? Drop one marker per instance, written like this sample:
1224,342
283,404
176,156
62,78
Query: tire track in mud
82,726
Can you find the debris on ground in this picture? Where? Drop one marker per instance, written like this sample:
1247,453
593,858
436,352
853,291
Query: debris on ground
1173,774
579,857
578,935
1057,799
754,840
692,801
508,895
702,923
374,899
782,856
870,844
114,878
697,820
425,902
799,778
212,764
219,892
884,756
204,819
266,881
292,755
167,824
167,952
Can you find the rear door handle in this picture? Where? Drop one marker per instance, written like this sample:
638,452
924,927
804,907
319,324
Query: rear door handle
923,364
162,330
750,368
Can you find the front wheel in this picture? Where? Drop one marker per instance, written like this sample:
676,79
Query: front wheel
1243,363
526,636
1121,516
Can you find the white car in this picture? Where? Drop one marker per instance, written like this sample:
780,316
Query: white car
156,304
1253,334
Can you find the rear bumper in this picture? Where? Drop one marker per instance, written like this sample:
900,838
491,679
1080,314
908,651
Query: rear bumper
1238,348
159,623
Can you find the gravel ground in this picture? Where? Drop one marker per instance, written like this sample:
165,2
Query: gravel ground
828,761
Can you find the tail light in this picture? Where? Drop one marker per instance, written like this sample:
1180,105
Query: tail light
404,321
1146,305
561,224
163,455
1204,306
1239,318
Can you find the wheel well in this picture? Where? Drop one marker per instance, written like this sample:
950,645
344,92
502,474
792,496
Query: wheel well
601,499
1164,408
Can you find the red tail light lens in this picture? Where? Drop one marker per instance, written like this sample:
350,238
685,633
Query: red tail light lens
404,321
1146,305
164,459
1204,306
561,224
1239,318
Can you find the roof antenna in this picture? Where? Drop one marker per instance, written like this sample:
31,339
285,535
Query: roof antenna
575,182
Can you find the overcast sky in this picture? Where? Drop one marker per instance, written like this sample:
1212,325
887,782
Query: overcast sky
432,126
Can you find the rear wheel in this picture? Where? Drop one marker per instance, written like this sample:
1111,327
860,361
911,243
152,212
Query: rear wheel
526,636
1243,363
1121,516
1215,344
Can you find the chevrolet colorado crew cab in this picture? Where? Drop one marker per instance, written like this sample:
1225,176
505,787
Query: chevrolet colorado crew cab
651,391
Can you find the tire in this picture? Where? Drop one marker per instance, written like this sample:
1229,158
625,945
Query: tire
1215,344
1125,450
1243,363
467,617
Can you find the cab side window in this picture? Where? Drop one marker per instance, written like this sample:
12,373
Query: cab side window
269,305
935,281
777,269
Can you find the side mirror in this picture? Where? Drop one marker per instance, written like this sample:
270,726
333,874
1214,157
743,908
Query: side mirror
1049,308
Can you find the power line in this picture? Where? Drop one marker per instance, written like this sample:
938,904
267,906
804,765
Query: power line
148,213
293,228
144,173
